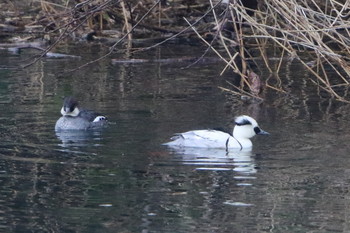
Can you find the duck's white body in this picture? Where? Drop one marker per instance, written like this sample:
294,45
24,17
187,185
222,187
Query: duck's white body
246,127
208,139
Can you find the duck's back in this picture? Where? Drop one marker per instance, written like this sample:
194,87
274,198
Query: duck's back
203,139
88,115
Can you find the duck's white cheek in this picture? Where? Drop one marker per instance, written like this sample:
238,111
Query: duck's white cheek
63,112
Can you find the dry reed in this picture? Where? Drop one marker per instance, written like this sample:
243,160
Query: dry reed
312,32
299,30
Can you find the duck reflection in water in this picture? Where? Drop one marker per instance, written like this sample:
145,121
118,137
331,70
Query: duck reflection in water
241,161
79,138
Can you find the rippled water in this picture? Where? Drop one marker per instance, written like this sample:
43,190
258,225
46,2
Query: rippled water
122,180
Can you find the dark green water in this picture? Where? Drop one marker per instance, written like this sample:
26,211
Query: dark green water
123,180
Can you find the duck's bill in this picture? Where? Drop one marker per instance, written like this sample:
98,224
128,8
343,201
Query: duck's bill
262,132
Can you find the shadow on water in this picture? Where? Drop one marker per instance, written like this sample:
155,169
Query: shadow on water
122,180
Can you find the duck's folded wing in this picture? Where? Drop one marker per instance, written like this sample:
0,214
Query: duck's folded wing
200,138
213,135
91,116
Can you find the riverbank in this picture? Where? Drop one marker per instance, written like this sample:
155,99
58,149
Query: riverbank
314,33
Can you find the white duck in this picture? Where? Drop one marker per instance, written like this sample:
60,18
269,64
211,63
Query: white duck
245,128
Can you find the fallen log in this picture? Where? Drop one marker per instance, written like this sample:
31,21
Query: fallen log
20,46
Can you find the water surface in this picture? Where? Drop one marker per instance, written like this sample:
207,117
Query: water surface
122,180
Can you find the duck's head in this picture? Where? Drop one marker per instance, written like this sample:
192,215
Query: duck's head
70,107
246,127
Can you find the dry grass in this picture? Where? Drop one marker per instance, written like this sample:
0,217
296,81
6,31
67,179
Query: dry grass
300,30
312,32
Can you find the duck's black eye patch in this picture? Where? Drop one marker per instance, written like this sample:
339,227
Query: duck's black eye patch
243,122
70,108
257,130
70,103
